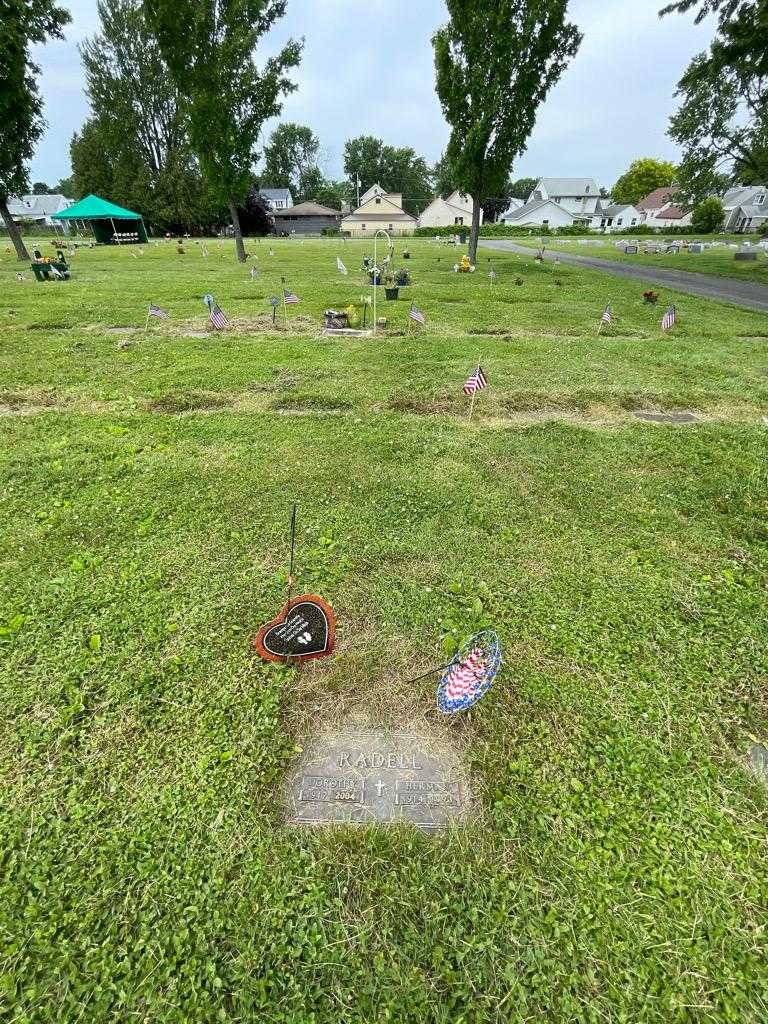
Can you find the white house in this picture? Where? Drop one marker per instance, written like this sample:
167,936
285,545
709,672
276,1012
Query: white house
277,198
38,209
379,210
579,196
746,207
615,217
659,210
455,210
514,204
540,213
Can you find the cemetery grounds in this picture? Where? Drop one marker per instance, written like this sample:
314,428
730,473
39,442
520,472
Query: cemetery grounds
615,865
717,260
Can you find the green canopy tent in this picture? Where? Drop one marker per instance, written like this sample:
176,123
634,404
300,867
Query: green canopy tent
110,223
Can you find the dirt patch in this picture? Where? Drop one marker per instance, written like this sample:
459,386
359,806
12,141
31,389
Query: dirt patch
528,402
426,406
297,405
49,327
681,416
261,323
190,401
14,403
491,332
121,330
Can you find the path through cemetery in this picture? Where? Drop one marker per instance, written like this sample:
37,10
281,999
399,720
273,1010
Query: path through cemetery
741,293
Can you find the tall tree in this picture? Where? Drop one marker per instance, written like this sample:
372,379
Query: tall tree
290,159
494,65
396,169
209,46
40,188
134,147
22,24
722,123
641,178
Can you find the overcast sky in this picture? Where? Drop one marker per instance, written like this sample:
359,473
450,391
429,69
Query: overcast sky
367,69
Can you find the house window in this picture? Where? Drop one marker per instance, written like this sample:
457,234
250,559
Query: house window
363,226
458,220
759,200
619,220
378,199
389,227
545,223
558,199
586,189
634,220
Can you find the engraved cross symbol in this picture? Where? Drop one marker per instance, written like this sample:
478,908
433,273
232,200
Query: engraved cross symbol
380,787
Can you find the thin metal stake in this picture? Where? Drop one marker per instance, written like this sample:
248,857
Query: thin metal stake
293,545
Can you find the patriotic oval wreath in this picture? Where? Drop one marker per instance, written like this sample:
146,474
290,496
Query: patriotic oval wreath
470,674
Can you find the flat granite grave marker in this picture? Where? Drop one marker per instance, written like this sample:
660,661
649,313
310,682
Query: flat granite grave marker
665,417
373,777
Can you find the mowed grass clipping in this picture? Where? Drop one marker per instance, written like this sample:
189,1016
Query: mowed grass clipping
616,867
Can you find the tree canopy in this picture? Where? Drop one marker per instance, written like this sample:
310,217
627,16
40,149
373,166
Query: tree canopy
134,147
641,178
290,160
396,169
23,24
708,215
494,65
209,47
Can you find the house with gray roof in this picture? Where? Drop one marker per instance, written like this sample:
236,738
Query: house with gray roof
580,196
746,208
33,209
306,219
277,198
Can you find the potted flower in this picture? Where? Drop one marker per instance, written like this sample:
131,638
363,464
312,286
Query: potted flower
650,298
406,254
402,277
391,290
374,275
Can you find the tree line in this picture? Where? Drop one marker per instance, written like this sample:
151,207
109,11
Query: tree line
179,101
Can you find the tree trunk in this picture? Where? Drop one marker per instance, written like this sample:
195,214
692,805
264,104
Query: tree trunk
239,247
475,231
13,231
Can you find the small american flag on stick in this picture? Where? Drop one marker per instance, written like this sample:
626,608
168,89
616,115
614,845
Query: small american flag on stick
289,298
475,381
340,266
416,315
217,317
156,311
607,317
669,318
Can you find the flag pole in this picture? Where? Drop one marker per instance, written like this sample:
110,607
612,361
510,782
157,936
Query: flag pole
472,399
285,309
146,325
293,544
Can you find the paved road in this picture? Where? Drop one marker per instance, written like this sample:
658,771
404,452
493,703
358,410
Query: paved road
726,289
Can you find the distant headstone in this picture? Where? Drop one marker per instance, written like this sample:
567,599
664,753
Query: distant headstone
695,247
745,255
630,250
371,777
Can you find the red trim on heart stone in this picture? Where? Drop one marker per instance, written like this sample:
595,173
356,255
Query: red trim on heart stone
282,616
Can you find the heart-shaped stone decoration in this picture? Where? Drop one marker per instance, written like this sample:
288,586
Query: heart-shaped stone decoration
305,628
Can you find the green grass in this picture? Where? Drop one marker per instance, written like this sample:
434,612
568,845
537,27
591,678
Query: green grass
616,869
719,261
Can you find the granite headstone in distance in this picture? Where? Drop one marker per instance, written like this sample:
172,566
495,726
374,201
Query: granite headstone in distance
373,777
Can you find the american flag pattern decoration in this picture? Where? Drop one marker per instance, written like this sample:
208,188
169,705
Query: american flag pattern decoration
607,317
475,381
156,311
416,315
289,298
217,318
668,320
470,674
254,273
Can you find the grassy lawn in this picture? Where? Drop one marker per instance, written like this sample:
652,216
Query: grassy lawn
616,867
717,261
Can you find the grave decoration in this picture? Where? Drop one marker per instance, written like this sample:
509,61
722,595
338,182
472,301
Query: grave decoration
305,627
470,674
274,303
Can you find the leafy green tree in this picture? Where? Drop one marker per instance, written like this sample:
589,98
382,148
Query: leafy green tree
494,65
522,188
22,24
134,148
722,123
641,178
330,193
708,215
40,188
395,169
66,187
721,126
443,177
209,47
290,159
